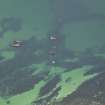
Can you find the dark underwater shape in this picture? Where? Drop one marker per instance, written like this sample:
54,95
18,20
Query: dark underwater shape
55,93
25,56
1,58
88,58
48,99
49,85
8,102
83,101
92,89
10,24
98,68
16,82
10,70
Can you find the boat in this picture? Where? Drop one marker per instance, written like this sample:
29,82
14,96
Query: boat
17,43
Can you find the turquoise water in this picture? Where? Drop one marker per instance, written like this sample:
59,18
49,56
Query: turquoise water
82,24
38,20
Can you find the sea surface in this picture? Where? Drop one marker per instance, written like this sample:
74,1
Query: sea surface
60,59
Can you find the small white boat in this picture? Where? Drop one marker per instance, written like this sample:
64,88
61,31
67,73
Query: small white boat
53,38
17,43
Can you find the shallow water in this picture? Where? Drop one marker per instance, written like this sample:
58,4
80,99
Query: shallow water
28,73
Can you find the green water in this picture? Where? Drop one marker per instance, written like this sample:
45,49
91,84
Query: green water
38,20
77,78
36,16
